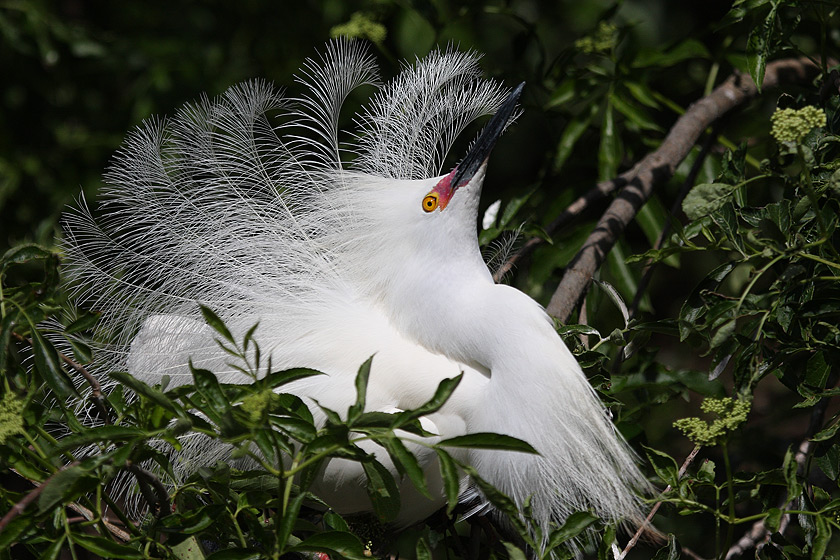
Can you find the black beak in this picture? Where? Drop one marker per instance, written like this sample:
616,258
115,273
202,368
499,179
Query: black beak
480,151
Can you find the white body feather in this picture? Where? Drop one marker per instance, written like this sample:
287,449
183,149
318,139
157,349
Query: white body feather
337,264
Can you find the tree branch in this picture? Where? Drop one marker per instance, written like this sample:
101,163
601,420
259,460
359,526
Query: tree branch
658,167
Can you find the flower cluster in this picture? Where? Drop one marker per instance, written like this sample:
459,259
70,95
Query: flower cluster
791,125
603,40
730,414
361,26
257,404
11,416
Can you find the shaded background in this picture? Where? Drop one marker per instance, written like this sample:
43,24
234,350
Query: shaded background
78,74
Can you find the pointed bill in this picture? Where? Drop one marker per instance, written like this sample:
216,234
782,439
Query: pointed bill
480,151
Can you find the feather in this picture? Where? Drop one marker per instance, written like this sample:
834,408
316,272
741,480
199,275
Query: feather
318,234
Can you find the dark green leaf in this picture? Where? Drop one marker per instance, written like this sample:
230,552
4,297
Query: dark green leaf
444,389
24,253
237,554
382,489
154,395
571,134
407,463
63,486
361,391
574,525
106,548
483,440
705,198
422,550
216,323
451,479
287,522
82,323
671,551
335,543
609,151
49,366
665,466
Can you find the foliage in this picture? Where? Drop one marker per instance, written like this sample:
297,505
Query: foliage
730,299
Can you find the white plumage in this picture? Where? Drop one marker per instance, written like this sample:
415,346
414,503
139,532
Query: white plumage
258,206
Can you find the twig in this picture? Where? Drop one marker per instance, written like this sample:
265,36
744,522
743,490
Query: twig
153,490
658,167
647,272
19,507
640,531
759,534
95,388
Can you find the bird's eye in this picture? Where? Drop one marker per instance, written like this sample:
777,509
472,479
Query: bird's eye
430,202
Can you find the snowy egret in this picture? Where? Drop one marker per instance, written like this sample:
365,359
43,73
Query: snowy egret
340,258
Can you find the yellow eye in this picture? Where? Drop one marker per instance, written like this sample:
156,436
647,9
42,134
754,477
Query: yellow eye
430,202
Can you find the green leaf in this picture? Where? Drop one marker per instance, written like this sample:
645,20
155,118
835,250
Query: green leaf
444,390
571,134
155,395
278,378
49,366
192,521
514,552
105,548
361,391
665,466
287,522
451,479
661,58
609,150
208,386
773,519
63,486
758,46
574,525
485,440
407,463
24,253
82,323
789,471
671,551
422,550
817,370
216,323
382,489
189,549
634,114
705,198
102,433
16,527
237,554
821,540
334,543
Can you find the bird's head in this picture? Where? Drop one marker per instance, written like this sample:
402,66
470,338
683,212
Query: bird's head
471,169
419,237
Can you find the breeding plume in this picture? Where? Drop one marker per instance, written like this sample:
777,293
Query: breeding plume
344,244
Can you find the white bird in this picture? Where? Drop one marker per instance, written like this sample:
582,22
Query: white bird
343,246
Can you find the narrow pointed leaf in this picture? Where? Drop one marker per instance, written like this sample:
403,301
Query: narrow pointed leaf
484,440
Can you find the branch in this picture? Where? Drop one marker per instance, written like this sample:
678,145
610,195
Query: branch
655,507
95,388
19,507
759,535
658,167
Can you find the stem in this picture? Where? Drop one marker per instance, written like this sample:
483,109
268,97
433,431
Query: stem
287,490
730,488
754,280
